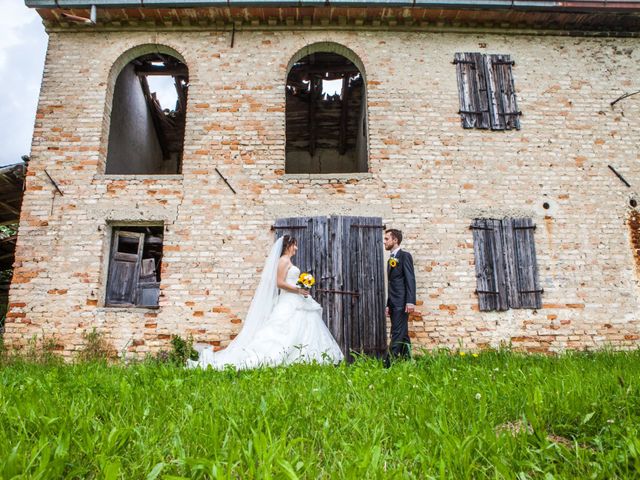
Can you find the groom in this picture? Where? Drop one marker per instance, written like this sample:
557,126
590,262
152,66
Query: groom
401,297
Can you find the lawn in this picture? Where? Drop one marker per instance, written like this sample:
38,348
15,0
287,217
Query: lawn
444,415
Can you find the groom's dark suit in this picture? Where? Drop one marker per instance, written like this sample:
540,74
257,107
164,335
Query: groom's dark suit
402,290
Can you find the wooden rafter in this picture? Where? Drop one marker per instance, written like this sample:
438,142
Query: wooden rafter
314,83
155,112
10,208
344,115
165,70
336,71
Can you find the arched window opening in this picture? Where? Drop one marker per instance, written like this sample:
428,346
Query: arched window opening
326,123
146,131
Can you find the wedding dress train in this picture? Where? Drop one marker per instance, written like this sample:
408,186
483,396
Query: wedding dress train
291,332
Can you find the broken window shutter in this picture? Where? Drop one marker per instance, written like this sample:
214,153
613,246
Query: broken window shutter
124,268
487,251
527,289
502,95
472,90
148,294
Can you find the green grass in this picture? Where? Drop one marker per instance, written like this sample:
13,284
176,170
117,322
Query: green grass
441,416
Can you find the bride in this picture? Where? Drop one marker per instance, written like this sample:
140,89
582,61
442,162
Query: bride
283,325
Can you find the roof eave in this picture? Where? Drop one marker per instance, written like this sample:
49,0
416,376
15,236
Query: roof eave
581,5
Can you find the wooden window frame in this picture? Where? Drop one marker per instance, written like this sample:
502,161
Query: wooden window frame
506,264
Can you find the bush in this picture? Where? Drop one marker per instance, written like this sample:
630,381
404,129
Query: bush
181,351
43,350
96,347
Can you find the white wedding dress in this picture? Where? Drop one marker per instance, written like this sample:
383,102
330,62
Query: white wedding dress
281,328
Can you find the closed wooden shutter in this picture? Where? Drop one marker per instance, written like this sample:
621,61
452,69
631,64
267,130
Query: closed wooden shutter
366,325
506,265
526,292
124,268
472,90
490,274
502,95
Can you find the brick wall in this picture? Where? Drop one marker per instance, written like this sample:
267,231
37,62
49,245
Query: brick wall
426,176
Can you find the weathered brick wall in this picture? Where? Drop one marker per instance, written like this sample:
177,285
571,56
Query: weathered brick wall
427,176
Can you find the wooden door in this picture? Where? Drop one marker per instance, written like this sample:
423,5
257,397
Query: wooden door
345,255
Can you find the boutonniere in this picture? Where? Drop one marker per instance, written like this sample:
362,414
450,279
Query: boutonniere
393,262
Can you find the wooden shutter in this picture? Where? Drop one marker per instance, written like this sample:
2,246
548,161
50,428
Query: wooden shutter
490,274
124,267
472,90
526,290
502,94
148,287
364,246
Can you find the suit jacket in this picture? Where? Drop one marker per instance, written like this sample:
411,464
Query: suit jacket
402,281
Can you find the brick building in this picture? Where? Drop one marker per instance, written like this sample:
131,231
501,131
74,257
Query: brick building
463,124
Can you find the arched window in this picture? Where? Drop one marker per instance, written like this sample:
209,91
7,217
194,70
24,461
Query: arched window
326,111
147,117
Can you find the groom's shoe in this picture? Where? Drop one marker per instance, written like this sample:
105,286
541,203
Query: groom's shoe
386,361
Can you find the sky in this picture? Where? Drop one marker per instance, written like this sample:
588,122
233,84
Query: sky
23,43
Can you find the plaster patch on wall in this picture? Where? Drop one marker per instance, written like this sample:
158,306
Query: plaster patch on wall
350,209
496,212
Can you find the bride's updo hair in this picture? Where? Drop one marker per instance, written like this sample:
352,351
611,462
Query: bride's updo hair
287,241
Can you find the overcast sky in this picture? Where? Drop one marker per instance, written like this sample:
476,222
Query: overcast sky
23,44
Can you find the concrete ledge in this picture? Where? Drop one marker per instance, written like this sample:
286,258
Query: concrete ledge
328,177
133,178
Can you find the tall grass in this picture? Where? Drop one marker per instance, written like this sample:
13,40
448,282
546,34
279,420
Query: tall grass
499,415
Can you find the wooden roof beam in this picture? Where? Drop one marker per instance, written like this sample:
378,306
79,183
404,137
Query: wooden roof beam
344,115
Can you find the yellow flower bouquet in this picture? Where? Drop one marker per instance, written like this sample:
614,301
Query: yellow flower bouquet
306,280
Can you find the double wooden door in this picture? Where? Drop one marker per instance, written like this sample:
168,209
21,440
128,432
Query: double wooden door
345,255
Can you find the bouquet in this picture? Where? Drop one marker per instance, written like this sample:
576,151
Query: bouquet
306,280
